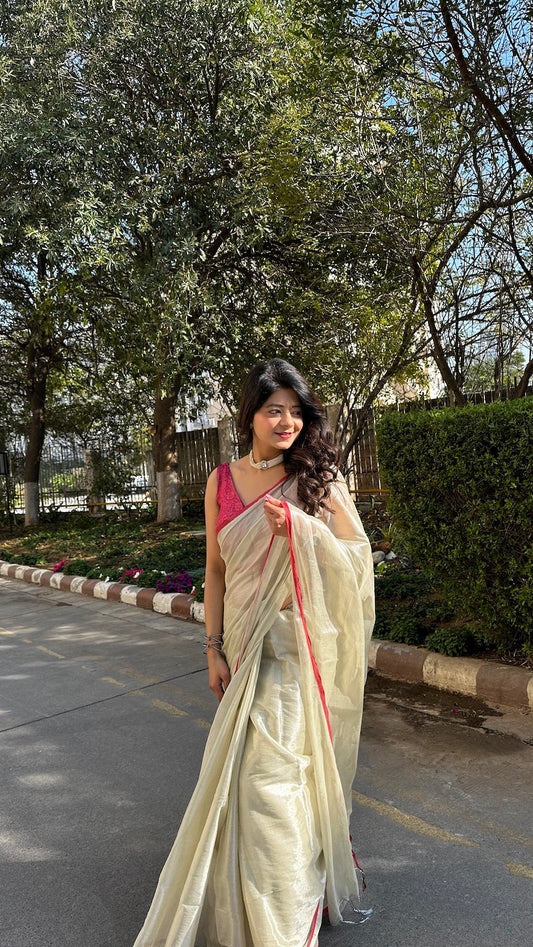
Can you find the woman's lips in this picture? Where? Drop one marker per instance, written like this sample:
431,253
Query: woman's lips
285,436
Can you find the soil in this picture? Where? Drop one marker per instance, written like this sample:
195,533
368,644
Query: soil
54,543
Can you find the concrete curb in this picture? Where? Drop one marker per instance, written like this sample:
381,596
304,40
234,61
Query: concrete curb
500,684
175,604
493,683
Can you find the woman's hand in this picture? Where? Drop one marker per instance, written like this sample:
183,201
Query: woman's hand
219,673
275,515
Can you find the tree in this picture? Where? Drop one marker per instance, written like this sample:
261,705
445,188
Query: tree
219,196
42,307
218,162
470,253
491,46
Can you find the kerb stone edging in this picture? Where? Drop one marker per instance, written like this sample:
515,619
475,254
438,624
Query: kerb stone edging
175,604
494,683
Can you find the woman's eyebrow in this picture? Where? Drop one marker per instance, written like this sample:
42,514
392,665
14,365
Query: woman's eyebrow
274,404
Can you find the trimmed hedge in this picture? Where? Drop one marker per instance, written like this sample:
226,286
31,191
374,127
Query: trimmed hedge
461,483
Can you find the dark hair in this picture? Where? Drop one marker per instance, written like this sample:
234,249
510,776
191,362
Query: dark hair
312,458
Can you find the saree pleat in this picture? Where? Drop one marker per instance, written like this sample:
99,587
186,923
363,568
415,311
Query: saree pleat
266,834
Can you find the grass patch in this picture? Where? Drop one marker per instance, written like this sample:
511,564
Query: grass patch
114,546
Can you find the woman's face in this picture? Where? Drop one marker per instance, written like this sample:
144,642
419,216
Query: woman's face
276,424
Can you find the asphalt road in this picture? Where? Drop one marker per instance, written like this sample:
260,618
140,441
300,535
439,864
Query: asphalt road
104,710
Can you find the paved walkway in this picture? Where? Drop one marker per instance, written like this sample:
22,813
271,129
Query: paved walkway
104,711
497,684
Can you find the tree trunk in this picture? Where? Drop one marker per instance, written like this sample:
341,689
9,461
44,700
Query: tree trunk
38,373
37,369
426,291
521,390
166,460
93,466
226,443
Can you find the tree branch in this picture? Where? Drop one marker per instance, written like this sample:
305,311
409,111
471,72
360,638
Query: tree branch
502,123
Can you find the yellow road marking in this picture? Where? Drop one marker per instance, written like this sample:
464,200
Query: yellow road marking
4,631
442,807
169,708
522,871
144,678
111,680
194,700
410,822
53,654
203,724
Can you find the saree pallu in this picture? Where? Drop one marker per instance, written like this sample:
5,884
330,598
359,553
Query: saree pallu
265,840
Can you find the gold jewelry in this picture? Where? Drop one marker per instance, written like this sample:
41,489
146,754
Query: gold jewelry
264,464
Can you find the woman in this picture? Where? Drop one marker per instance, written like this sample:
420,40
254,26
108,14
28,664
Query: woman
264,844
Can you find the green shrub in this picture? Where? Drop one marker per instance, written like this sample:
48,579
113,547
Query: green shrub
405,629
146,579
454,642
198,577
110,575
439,611
27,559
395,584
174,553
76,567
461,483
381,625
112,551
193,509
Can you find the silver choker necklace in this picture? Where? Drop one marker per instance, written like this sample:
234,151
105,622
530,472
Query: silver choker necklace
264,464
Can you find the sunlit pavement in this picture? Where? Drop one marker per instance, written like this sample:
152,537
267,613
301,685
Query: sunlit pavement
104,711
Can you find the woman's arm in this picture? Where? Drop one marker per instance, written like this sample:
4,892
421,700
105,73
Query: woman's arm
215,570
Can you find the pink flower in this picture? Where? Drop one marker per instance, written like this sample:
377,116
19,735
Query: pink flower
130,575
59,566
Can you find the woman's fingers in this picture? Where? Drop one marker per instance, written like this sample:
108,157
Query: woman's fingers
218,687
219,677
275,515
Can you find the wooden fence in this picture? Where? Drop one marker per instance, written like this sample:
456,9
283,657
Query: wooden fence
472,397
64,473
198,454
362,467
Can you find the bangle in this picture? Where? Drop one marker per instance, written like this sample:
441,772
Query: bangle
213,643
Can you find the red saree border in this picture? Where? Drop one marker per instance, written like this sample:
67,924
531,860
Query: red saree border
313,925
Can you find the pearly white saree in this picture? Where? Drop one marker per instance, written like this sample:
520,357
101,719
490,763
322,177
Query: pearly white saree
265,840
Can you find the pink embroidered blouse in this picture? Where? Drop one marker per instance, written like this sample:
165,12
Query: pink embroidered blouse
229,502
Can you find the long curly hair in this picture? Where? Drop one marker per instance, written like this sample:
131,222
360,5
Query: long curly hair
313,458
